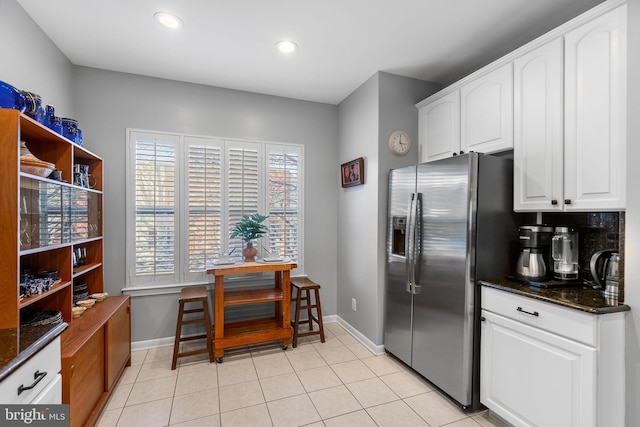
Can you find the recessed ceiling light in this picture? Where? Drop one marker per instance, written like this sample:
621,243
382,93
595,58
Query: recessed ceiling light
286,46
168,20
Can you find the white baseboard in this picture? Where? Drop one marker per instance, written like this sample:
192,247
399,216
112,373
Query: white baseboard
375,349
158,342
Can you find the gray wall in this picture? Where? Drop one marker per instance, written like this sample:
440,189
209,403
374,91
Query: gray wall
383,104
108,102
357,211
30,61
632,231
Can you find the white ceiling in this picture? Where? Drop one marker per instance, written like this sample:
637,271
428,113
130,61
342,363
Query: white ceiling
230,43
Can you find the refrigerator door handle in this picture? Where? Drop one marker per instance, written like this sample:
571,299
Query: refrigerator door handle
416,248
409,245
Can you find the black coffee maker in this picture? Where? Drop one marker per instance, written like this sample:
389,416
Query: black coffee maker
533,261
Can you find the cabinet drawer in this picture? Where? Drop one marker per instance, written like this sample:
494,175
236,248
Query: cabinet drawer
52,394
46,361
566,322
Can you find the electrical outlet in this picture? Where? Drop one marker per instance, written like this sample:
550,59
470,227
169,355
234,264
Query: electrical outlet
353,304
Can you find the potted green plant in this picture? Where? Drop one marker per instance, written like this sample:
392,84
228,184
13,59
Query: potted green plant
249,228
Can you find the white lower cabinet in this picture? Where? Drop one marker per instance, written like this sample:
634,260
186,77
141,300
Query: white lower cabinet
52,393
38,380
545,365
534,378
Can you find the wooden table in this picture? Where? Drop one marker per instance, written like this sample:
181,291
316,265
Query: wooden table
244,332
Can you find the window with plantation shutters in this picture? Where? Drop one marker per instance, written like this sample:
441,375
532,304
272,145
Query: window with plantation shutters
243,184
204,204
186,193
284,191
154,202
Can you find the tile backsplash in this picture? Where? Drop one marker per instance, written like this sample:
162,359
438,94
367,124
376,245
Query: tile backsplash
596,231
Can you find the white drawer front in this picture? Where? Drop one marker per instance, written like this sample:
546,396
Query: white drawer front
573,324
46,360
52,394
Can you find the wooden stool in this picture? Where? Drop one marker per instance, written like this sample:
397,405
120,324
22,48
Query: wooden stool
303,284
189,295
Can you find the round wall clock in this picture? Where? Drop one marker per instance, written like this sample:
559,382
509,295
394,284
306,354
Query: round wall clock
399,143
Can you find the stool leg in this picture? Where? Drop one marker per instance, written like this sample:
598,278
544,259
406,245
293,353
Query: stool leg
207,325
176,343
308,300
297,319
319,313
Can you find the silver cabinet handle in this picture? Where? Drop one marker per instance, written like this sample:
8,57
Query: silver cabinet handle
535,313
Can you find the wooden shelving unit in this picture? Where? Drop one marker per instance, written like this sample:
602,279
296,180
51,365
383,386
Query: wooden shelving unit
45,222
252,296
27,301
232,334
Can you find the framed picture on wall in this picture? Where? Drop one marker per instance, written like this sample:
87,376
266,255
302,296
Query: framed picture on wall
352,173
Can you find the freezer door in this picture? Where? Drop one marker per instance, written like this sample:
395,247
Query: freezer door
398,301
443,308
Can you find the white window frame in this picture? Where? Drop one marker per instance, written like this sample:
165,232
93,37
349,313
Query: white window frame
182,276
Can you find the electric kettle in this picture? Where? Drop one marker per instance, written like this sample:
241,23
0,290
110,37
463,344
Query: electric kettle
605,269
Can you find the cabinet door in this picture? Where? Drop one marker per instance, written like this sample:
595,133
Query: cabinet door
595,139
440,128
118,342
486,112
533,378
538,129
83,379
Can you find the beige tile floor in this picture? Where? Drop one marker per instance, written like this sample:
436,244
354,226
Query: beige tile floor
336,383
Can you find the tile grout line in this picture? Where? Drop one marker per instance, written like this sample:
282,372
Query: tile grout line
256,354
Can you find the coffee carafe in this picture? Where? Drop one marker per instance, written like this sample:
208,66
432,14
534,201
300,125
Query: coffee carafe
534,249
564,250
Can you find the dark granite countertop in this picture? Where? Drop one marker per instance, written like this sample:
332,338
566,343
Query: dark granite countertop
17,345
583,298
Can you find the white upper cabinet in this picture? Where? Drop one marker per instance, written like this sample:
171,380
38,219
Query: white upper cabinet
538,129
476,117
595,113
559,102
439,123
486,112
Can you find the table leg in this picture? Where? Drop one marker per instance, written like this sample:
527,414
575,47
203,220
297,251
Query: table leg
278,285
218,316
286,305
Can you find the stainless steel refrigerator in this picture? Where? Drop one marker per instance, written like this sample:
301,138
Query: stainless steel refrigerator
450,224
